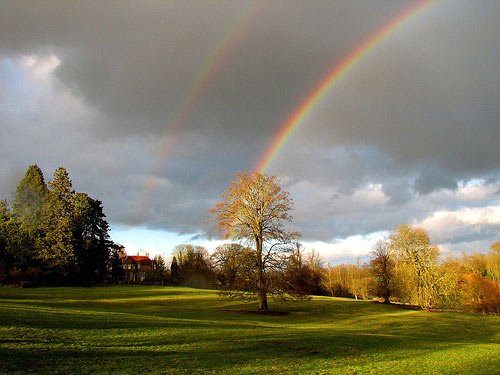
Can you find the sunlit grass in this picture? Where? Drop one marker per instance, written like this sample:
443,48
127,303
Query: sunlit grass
126,329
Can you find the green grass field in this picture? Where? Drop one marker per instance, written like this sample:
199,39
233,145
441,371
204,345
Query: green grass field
136,329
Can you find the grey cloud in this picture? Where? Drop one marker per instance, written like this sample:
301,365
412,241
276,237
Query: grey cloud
431,179
417,114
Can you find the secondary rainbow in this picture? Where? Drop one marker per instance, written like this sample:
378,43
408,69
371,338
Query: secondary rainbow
333,77
212,64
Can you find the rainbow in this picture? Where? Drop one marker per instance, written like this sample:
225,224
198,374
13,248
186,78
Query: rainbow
333,77
212,64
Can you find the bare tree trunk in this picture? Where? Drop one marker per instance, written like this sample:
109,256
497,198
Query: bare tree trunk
261,281
263,301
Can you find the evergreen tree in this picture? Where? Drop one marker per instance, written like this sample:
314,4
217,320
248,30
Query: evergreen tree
175,272
30,201
115,262
29,211
91,243
59,246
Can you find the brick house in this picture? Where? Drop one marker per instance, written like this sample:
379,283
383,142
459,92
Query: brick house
136,267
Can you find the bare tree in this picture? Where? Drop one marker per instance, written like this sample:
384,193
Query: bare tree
254,208
382,265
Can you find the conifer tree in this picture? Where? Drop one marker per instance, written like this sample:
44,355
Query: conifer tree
175,273
59,236
91,243
29,210
31,197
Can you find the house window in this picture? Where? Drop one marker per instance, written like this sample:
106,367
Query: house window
138,266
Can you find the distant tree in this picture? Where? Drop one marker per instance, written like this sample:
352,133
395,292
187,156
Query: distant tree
194,265
316,268
175,273
159,272
160,263
304,273
254,209
451,286
115,262
235,269
416,266
337,279
382,265
493,262
347,280
480,294
361,280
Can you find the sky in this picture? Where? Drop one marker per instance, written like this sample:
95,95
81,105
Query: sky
154,106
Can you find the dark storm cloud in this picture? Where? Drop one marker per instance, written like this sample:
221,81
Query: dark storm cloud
428,98
417,115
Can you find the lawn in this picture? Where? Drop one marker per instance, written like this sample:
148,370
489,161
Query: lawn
139,329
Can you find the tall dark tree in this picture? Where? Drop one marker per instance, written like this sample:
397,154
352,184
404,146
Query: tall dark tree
115,262
382,264
159,272
254,208
91,243
175,273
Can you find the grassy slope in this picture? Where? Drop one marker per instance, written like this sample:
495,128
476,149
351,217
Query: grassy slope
128,329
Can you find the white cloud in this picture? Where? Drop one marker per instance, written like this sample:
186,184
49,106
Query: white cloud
40,68
476,190
372,194
345,248
469,216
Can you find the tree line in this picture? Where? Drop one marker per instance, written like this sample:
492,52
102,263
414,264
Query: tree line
404,269
52,235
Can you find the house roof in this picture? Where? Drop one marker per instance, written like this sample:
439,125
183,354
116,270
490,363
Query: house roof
138,259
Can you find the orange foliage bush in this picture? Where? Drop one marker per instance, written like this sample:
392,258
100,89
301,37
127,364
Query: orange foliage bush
481,294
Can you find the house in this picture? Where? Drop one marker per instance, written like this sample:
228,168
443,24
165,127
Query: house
136,267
